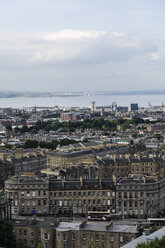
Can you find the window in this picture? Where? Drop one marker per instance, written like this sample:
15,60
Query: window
64,237
84,236
32,234
46,236
28,203
20,232
73,236
112,238
22,193
98,193
121,238
91,237
39,193
45,245
65,203
109,194
97,237
39,202
126,239
109,202
44,201
25,232
58,236
33,203
28,193
113,193
33,193
74,193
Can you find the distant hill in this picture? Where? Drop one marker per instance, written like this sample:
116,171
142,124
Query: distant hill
13,94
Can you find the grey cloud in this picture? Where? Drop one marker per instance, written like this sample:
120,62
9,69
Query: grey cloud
69,46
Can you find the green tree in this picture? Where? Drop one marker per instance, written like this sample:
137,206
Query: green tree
31,144
7,238
24,129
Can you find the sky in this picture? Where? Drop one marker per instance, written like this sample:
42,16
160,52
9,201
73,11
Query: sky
75,45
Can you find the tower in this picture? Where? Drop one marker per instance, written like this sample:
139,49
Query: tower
93,106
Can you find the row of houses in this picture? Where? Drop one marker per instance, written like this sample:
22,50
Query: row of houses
126,197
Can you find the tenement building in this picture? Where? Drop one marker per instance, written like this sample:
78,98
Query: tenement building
138,197
14,162
77,197
51,234
29,195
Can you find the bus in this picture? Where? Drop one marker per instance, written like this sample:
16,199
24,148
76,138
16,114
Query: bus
156,221
99,216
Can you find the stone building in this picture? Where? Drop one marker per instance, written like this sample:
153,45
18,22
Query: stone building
77,197
16,162
140,197
131,165
35,233
29,195
5,207
93,234
127,197
51,234
61,158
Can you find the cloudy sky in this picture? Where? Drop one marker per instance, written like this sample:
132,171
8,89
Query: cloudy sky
79,45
